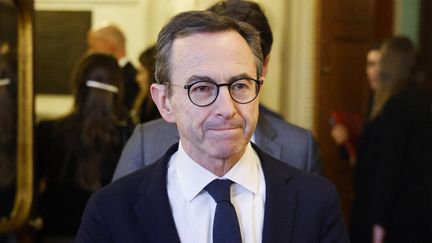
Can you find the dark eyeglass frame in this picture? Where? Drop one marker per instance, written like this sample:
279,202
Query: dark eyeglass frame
188,87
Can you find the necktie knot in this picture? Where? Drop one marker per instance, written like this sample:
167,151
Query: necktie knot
220,190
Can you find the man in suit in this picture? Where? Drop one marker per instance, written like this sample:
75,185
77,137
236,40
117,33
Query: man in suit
280,139
208,72
110,39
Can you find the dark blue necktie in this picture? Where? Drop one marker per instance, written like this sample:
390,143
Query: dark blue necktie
226,228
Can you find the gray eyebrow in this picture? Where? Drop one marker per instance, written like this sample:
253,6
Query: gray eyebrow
239,76
195,78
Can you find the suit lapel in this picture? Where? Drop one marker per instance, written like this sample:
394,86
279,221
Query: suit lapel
264,136
281,202
155,217
152,207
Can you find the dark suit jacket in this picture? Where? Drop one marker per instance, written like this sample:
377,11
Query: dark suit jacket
402,196
299,207
364,181
58,152
392,183
131,87
282,140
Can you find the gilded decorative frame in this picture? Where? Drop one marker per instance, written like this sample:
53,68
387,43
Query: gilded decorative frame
24,193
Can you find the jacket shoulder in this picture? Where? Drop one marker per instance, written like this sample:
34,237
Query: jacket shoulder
155,127
282,125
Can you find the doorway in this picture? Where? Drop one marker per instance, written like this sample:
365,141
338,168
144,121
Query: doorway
346,30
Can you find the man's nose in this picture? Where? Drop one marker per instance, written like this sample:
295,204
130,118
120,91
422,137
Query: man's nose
225,105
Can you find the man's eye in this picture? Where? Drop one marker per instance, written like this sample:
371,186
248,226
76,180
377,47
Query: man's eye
202,88
239,86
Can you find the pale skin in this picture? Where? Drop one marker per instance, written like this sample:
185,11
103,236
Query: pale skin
372,68
378,234
215,136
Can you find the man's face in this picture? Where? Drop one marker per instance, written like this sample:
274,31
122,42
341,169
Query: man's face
222,129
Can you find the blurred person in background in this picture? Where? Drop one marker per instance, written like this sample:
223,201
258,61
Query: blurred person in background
144,109
340,132
77,154
401,206
386,145
109,39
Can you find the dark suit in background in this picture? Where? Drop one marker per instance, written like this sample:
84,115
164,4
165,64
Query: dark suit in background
299,207
402,199
284,141
131,88
63,200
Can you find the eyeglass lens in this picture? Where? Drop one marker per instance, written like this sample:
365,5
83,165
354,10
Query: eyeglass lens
203,93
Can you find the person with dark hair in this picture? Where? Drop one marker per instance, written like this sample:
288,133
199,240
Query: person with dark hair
401,205
285,141
144,109
214,185
77,154
341,132
392,144
251,13
109,39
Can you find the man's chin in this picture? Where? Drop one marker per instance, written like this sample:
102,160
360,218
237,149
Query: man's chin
228,150
225,134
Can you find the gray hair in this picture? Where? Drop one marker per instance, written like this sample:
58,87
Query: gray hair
193,22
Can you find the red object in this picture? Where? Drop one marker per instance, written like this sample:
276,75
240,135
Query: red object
354,124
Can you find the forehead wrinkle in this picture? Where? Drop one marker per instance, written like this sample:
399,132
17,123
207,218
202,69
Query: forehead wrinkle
232,78
201,63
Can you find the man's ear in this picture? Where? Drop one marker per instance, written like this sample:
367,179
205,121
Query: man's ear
162,101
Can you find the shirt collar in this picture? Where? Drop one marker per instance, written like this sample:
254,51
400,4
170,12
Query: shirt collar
193,178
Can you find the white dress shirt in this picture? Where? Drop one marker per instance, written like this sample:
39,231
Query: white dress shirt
193,208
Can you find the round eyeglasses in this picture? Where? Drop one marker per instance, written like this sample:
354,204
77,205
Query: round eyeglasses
205,93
